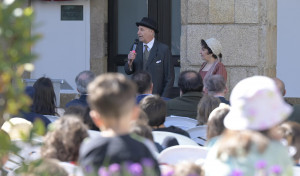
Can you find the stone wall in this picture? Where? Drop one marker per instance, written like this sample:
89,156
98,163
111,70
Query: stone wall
98,42
99,18
247,30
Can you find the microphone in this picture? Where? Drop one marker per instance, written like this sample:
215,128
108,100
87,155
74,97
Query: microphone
136,41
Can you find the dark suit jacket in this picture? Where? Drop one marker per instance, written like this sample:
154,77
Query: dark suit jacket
78,102
223,100
159,65
295,116
185,106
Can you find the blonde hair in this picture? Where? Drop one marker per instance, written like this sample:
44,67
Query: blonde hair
186,168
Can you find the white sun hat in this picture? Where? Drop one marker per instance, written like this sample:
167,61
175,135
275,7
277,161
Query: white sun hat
256,104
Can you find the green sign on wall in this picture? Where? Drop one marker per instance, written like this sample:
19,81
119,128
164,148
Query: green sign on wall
72,12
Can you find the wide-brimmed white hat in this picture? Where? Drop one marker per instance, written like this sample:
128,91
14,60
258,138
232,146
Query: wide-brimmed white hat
17,128
256,104
214,45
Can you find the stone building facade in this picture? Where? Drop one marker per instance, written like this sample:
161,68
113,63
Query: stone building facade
247,30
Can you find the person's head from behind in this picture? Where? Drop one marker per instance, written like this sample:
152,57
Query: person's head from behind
215,124
143,117
206,105
155,108
143,81
142,129
290,132
190,81
281,86
186,168
82,80
112,101
44,97
63,139
83,113
215,85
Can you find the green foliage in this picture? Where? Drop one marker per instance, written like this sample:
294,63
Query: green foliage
16,40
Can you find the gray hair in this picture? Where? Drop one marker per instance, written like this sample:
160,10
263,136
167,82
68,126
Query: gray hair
83,79
215,84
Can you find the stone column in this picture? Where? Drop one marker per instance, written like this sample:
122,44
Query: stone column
98,18
247,30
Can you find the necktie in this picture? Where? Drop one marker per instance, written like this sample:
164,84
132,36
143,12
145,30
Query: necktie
145,56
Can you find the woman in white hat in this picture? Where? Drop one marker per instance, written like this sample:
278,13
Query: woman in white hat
249,146
211,54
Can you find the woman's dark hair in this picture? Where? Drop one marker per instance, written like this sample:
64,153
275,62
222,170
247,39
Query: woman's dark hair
205,46
84,114
44,97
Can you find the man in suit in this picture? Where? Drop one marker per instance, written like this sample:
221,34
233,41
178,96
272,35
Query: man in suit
215,85
191,85
152,56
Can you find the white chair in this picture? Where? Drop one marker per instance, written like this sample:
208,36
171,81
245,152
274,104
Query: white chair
198,134
184,123
71,169
159,137
93,133
28,152
175,154
296,171
52,118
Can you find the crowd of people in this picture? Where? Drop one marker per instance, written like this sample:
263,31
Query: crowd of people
116,124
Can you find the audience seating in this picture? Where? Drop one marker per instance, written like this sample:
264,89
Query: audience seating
179,153
184,123
71,169
159,137
296,171
198,134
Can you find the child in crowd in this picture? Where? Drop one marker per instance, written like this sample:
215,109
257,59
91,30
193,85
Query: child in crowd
63,139
215,124
248,146
113,108
156,110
